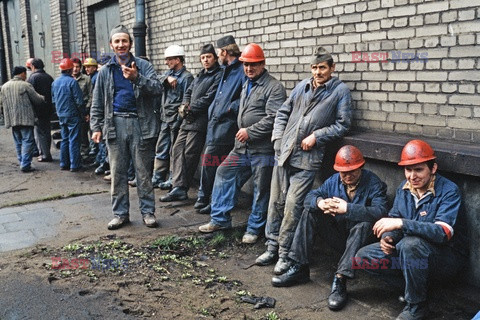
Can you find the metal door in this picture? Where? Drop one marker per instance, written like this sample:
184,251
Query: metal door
42,33
16,41
106,17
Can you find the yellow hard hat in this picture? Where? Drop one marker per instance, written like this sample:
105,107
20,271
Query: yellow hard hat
90,62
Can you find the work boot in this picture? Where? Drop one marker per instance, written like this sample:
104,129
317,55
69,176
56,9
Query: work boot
296,274
149,220
413,311
177,194
157,179
118,222
205,210
201,203
249,238
338,297
210,227
266,258
281,266
167,185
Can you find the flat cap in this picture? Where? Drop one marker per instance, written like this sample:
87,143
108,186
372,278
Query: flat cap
18,70
208,48
119,29
225,41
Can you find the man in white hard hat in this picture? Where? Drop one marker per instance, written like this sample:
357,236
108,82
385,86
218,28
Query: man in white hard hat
175,82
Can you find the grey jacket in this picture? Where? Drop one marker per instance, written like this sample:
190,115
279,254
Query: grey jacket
257,113
172,98
146,87
18,99
326,112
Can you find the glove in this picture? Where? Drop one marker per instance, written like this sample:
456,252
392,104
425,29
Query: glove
277,146
259,302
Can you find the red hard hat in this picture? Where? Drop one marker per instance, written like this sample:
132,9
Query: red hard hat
66,64
348,158
252,53
416,151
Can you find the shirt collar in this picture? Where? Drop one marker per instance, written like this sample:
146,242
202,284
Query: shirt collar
176,73
430,189
327,85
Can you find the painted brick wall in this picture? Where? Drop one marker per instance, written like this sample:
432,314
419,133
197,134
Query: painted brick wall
435,97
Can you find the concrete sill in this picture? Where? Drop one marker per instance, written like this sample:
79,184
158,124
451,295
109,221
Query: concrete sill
452,156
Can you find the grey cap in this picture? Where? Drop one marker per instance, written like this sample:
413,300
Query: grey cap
320,55
225,41
119,29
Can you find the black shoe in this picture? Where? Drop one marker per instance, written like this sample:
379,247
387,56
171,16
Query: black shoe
413,311
205,210
167,185
76,169
100,170
266,258
338,297
177,194
201,203
64,168
296,274
27,169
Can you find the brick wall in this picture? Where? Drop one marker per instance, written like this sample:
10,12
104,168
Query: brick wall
435,97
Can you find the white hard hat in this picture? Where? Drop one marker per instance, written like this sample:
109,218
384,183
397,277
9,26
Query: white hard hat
174,51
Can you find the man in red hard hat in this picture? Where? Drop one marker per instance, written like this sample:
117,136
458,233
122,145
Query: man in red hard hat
344,208
68,99
423,237
253,154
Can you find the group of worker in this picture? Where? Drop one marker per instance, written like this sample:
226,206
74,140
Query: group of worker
239,115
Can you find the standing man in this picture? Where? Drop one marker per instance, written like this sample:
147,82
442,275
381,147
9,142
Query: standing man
343,209
18,99
91,67
175,82
222,118
68,99
28,65
317,111
86,85
123,113
42,83
194,112
424,236
253,154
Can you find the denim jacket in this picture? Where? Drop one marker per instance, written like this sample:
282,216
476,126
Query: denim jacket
146,87
325,112
67,96
172,98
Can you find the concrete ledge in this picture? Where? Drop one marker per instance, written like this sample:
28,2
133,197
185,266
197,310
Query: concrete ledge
451,156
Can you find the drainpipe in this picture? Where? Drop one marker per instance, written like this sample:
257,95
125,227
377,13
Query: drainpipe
140,29
3,64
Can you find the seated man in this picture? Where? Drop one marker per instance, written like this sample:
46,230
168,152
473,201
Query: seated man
417,237
346,206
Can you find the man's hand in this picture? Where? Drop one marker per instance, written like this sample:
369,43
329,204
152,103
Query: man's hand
242,135
386,244
130,73
308,142
172,81
332,206
97,136
87,118
387,224
277,146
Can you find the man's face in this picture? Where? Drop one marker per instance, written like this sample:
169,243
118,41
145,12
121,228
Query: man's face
172,62
419,175
76,69
121,44
90,69
222,56
322,73
351,177
208,60
253,69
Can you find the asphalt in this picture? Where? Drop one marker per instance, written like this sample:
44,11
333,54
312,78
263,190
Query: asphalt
54,207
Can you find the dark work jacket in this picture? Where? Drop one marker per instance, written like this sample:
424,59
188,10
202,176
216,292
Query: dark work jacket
257,113
325,112
42,83
369,203
199,96
435,218
222,113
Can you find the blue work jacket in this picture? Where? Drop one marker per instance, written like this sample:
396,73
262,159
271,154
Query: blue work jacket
67,96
